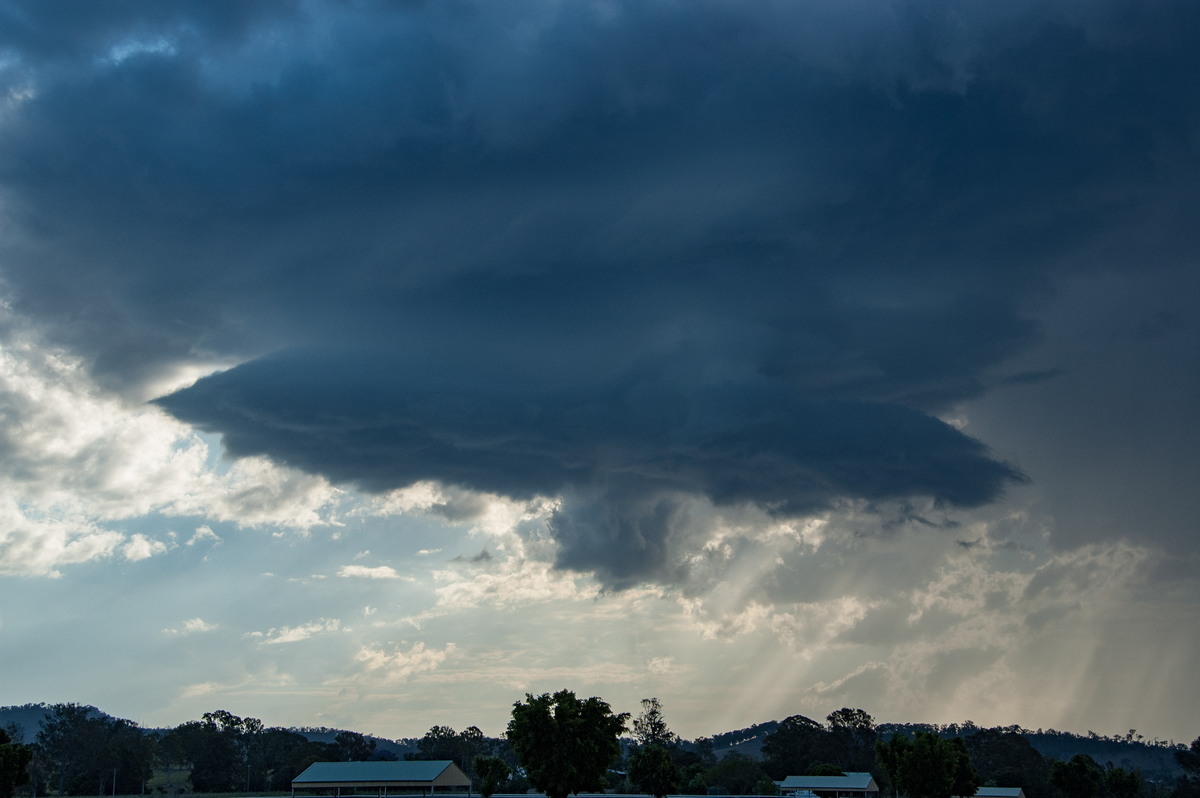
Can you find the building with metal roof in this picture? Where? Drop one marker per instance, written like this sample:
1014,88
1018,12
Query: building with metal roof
1000,792
381,778
847,785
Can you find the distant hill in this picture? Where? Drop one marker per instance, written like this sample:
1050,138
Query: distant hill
27,718
321,734
746,741
1156,759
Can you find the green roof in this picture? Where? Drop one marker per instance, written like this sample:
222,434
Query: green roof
426,771
847,781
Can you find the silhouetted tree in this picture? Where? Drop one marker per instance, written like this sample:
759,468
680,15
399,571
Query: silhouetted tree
1005,758
14,764
928,766
82,751
1189,759
851,739
443,742
492,771
649,727
64,742
563,743
226,752
738,774
653,770
1081,777
1122,783
440,742
353,747
794,747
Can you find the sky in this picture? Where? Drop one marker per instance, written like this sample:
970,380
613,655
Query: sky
372,364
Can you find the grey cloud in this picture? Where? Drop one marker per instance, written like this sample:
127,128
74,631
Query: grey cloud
482,558
624,455
607,251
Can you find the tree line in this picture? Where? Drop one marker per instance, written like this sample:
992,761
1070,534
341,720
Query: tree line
81,751
561,745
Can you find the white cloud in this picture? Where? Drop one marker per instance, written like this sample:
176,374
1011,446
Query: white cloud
400,665
368,572
140,547
38,546
487,513
77,457
255,492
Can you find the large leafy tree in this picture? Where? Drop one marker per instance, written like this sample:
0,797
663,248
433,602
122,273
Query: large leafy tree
129,752
653,770
462,748
650,728
14,765
285,755
1007,758
492,771
353,747
1122,783
1189,759
851,739
928,766
565,744
82,751
738,774
652,764
1079,777
225,752
65,744
794,747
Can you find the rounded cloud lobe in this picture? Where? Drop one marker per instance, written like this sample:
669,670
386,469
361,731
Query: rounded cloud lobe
625,458
602,252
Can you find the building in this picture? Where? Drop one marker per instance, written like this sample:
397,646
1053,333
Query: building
1000,792
381,778
847,785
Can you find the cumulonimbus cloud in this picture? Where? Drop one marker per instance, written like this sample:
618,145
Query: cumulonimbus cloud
601,256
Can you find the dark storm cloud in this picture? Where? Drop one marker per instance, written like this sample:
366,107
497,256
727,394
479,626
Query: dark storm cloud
623,452
626,254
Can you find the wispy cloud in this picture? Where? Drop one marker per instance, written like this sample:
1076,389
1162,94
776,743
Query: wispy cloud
514,583
192,626
204,534
295,634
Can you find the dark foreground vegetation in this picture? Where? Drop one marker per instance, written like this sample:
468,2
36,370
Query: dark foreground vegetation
560,745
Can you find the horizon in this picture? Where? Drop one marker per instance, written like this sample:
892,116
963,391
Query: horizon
1142,739
377,364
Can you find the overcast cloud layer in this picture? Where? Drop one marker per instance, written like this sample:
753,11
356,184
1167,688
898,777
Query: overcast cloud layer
862,334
